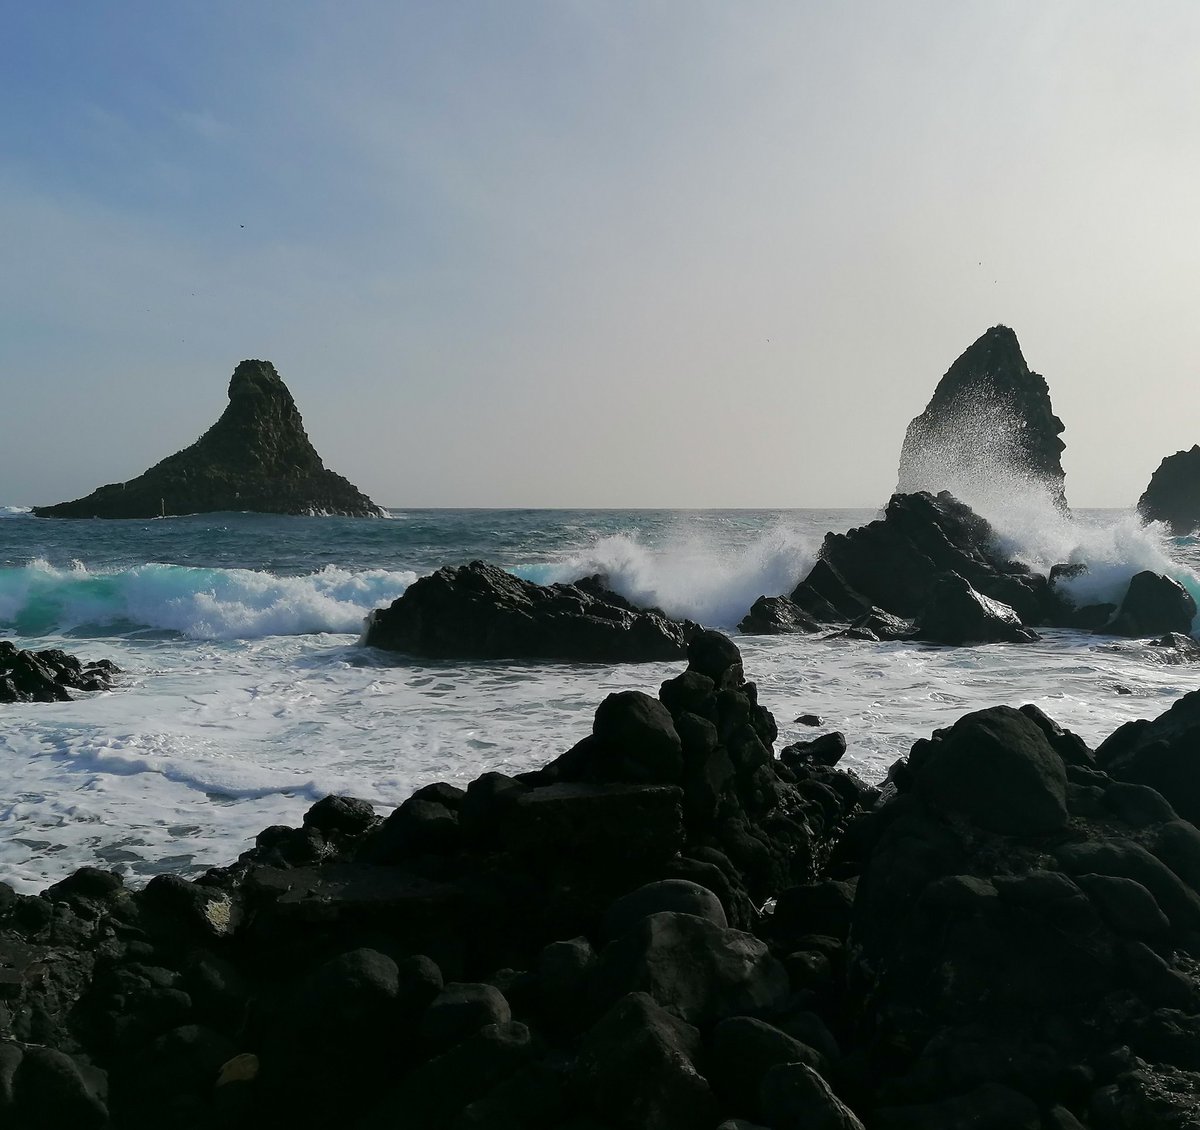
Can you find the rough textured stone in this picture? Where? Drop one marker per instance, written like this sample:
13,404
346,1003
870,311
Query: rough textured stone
1173,493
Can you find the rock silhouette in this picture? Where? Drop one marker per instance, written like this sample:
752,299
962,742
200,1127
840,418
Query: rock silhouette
989,421
1173,495
257,457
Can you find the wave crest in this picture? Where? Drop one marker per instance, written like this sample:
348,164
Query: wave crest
218,604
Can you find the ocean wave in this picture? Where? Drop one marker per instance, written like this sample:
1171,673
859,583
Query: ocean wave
689,576
15,511
217,604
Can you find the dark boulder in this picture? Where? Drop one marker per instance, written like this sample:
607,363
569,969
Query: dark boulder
776,616
1163,753
995,768
956,614
989,420
1173,494
1153,604
49,675
636,1069
1175,647
479,611
828,749
793,1096
257,456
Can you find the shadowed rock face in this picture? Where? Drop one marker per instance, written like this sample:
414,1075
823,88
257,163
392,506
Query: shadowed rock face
257,456
988,426
1173,495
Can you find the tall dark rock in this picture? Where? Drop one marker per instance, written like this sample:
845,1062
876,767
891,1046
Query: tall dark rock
257,456
988,425
1173,495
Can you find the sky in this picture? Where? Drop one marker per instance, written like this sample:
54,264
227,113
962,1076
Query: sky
592,252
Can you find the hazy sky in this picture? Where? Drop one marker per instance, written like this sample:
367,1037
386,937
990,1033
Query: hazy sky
594,253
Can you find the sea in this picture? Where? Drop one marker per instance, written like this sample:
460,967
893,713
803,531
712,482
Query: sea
246,695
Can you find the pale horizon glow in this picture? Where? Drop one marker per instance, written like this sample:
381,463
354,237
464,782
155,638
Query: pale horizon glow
577,253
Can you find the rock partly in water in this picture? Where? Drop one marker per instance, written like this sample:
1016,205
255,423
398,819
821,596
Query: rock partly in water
49,675
776,616
891,565
988,423
478,611
1153,604
957,614
1173,494
256,457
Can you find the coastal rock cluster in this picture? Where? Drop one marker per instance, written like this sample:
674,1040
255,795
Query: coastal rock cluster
257,456
1173,494
931,569
667,928
49,675
478,611
989,420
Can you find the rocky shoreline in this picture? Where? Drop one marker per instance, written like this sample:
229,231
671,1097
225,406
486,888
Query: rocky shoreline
669,926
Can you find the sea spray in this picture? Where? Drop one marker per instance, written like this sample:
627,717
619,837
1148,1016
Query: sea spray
688,575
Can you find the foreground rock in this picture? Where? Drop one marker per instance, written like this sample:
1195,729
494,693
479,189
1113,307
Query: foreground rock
989,422
1010,938
1173,494
257,456
479,611
48,676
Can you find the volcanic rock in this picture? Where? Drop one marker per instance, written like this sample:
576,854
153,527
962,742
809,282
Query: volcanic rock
1173,494
892,565
1153,604
478,611
957,614
256,457
49,675
989,421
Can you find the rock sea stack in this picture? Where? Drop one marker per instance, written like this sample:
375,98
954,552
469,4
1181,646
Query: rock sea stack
988,423
1173,495
256,457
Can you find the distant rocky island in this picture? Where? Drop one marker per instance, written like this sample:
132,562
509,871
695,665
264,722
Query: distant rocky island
257,457
989,416
1173,495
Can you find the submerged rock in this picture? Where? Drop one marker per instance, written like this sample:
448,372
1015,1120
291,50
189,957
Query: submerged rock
478,611
988,423
1173,494
257,456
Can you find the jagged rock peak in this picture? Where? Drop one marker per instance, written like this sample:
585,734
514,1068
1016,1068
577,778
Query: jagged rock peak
988,428
1173,495
257,456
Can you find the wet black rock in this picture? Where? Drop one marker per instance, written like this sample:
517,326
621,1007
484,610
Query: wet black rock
478,611
989,421
776,616
257,456
1153,604
50,675
956,614
1173,494
892,564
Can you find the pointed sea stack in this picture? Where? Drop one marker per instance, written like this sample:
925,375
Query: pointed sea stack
256,457
1173,495
989,423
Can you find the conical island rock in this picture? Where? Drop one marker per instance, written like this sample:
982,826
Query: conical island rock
989,426
1173,495
257,457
